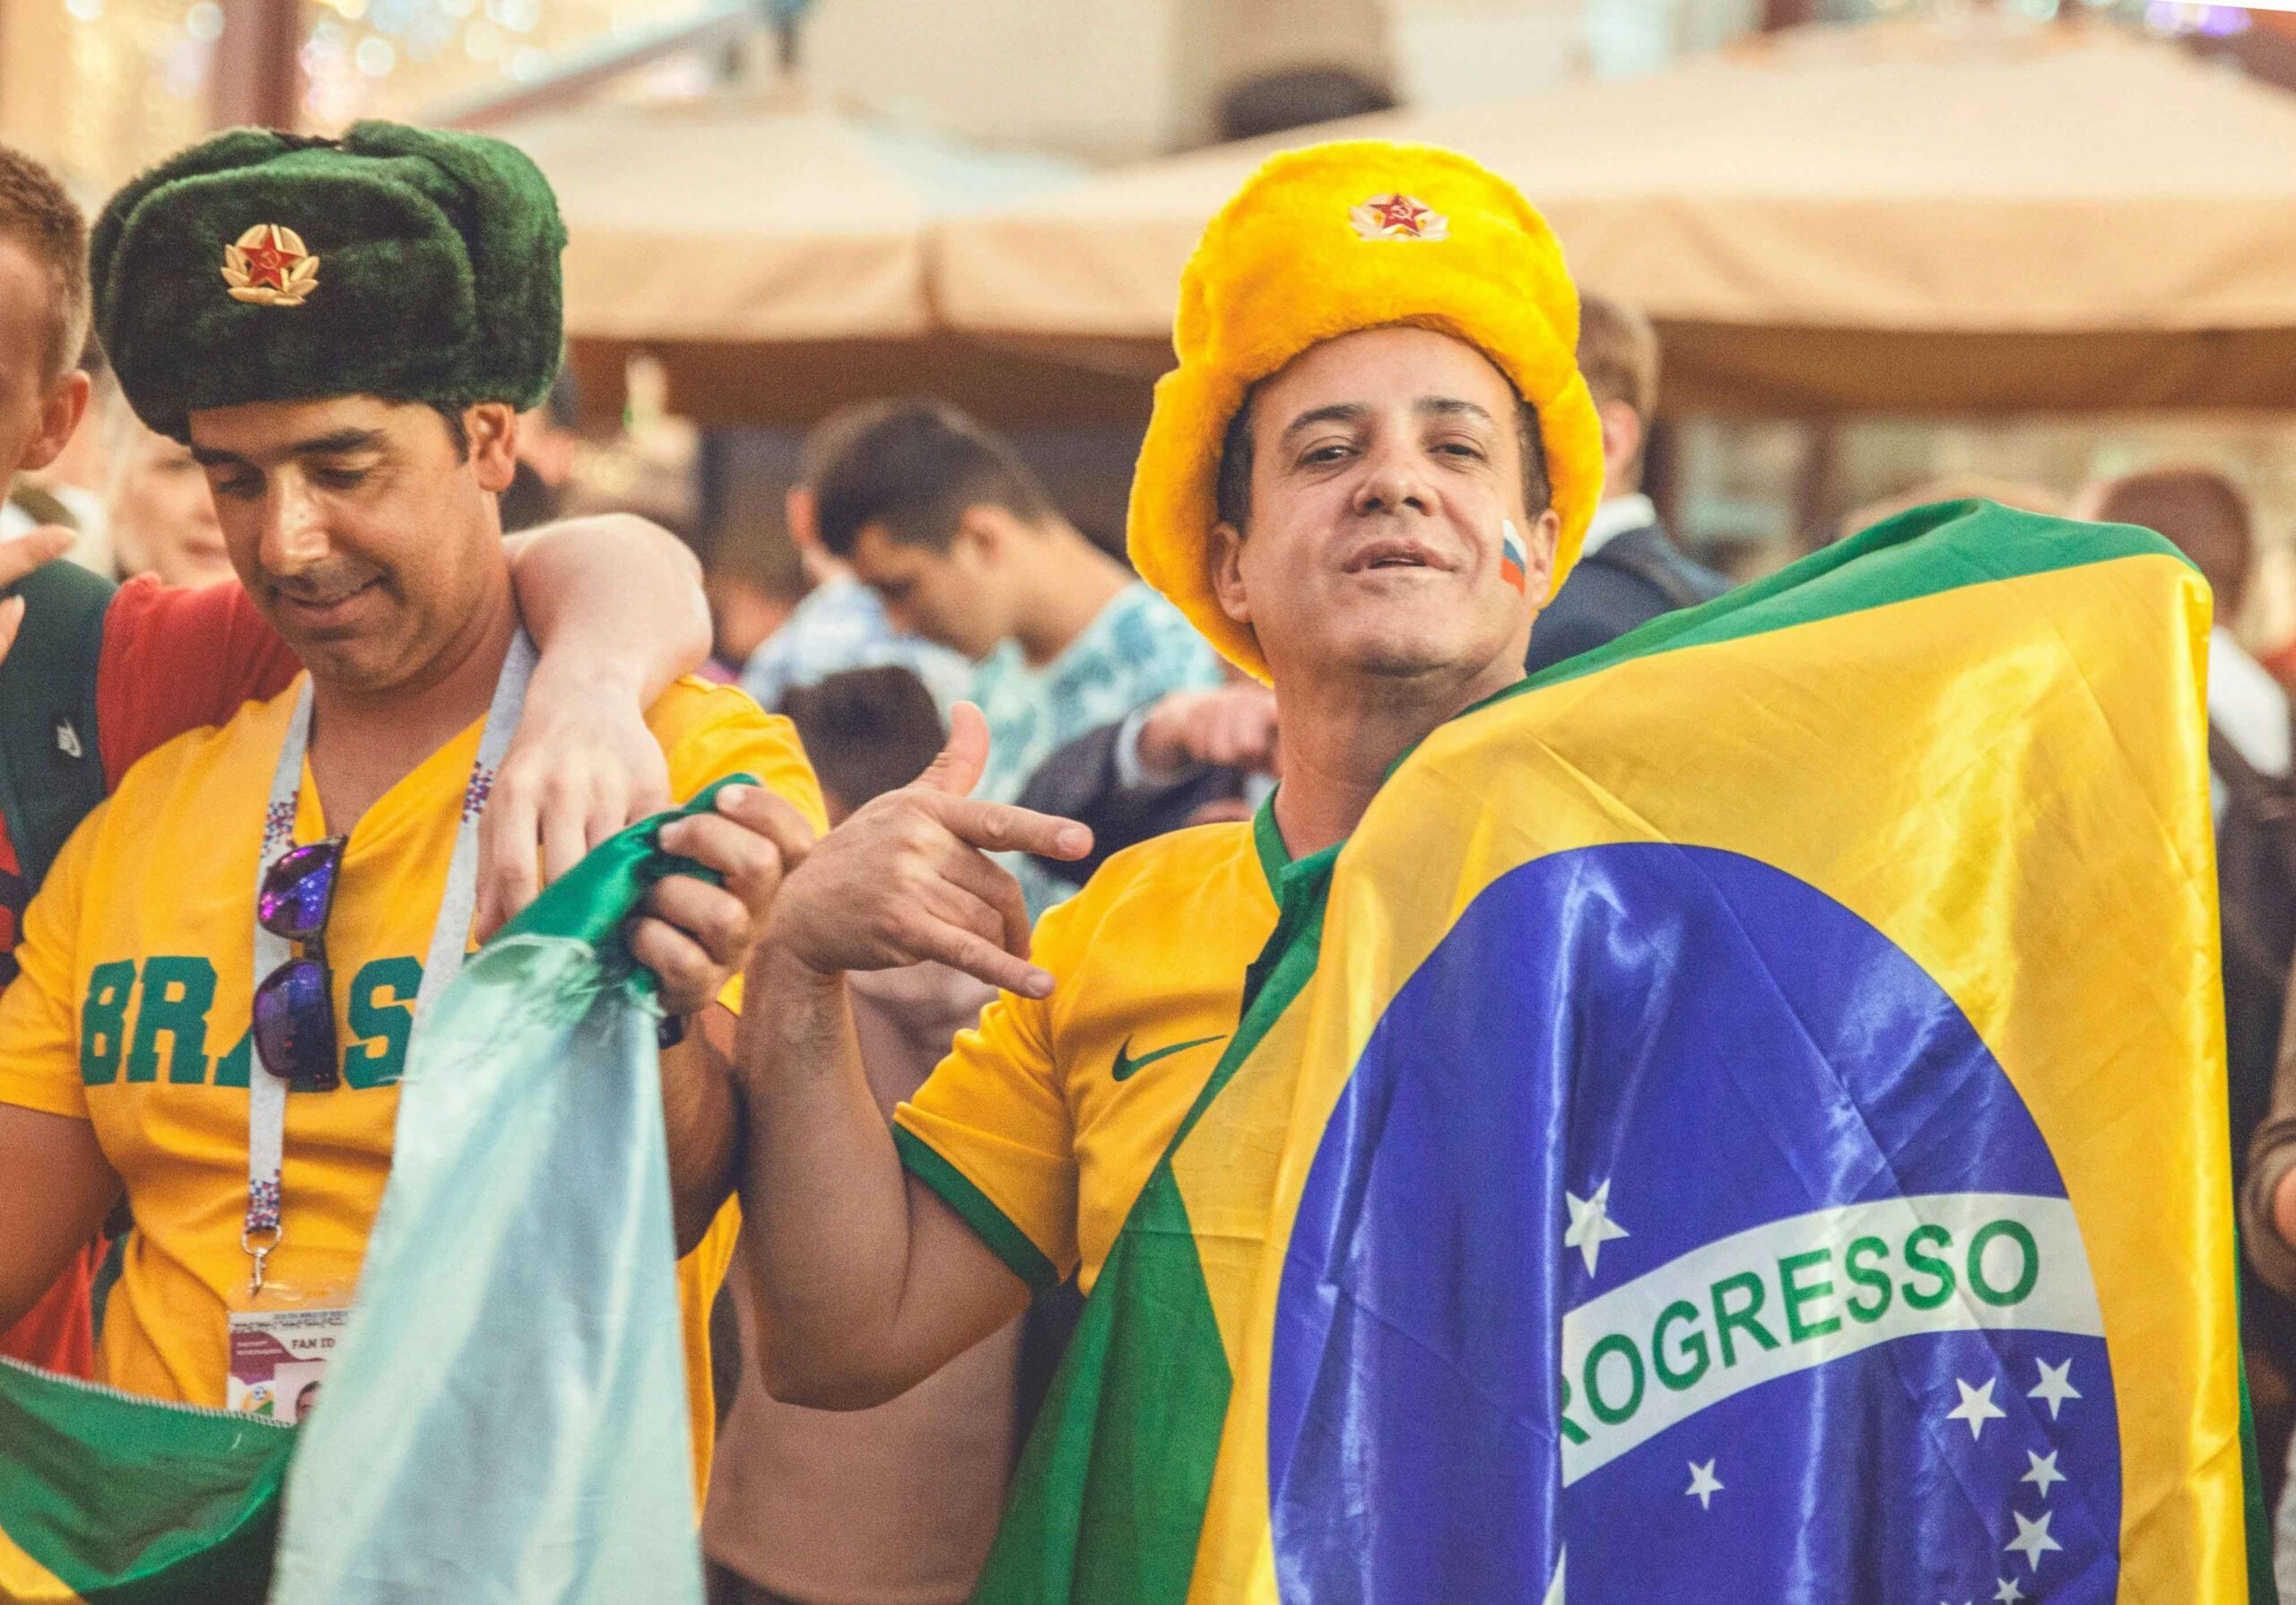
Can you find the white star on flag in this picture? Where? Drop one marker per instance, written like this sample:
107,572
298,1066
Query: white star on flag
2053,1390
2008,1593
1591,1225
1703,1484
1977,1407
1554,1589
2042,1473
2032,1539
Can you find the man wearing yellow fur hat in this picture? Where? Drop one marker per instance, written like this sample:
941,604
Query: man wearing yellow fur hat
1373,464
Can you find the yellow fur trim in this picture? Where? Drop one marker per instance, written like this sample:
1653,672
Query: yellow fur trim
1295,259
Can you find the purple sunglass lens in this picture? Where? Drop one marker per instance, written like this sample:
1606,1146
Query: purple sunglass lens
294,1026
298,889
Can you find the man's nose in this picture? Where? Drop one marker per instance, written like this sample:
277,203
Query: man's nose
294,534
1391,483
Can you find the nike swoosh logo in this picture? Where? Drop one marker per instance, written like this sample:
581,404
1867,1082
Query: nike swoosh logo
1125,1064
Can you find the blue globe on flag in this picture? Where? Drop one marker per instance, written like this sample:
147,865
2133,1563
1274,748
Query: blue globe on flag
1675,1238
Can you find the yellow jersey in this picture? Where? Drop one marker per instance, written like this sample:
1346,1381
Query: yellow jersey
1041,1126
132,1013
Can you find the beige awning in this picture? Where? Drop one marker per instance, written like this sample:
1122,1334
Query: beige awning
1893,217
760,218
772,253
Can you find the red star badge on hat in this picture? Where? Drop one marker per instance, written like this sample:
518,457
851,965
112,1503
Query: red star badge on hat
269,266
1399,217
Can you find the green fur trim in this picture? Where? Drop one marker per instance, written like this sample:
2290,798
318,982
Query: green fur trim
437,278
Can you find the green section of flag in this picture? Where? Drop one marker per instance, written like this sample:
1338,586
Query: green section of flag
179,1507
1110,1495
1109,1504
1916,553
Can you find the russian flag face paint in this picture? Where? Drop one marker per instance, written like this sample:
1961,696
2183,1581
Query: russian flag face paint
1514,563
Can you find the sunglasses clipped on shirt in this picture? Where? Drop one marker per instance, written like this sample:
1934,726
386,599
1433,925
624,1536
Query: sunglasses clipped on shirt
294,1005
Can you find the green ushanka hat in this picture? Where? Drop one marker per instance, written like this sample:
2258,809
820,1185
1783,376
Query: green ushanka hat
398,262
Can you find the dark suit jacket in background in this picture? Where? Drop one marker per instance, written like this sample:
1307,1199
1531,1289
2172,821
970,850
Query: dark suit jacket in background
1079,781
1637,575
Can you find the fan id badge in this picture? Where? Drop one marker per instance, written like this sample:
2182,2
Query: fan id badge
279,1357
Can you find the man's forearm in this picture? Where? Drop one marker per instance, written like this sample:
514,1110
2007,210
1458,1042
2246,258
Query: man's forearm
702,1117
615,598
824,1198
56,1187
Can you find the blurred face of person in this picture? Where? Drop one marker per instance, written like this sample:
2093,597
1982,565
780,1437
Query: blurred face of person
1386,468
960,597
358,527
163,520
37,409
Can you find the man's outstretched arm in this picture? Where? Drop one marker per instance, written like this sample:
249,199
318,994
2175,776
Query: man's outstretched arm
868,1281
614,605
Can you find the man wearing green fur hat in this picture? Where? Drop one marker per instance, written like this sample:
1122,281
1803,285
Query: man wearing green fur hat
222,971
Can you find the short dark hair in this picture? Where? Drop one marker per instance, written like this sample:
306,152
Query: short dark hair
38,213
1618,352
2199,511
867,731
1231,483
452,413
914,469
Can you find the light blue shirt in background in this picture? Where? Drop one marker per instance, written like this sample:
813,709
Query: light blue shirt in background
1136,650
841,624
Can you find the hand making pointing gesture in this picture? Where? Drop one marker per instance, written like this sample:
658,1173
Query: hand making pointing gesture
906,878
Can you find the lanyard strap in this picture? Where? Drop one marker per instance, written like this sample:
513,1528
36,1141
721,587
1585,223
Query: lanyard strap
450,936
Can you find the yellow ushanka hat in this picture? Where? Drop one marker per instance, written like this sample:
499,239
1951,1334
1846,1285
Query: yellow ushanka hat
1324,241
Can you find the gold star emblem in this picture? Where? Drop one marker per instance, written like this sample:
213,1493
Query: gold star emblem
1399,217
269,266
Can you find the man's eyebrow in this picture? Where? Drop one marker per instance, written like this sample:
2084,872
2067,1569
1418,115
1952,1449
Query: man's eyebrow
336,443
1451,406
1344,411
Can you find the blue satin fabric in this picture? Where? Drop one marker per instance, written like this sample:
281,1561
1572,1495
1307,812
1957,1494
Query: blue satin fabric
1724,1047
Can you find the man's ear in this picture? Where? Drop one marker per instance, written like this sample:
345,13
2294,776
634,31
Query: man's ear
492,430
1622,433
989,529
797,510
1227,559
1538,555
60,411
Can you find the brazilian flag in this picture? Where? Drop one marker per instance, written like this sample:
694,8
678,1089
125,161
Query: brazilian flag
1742,1121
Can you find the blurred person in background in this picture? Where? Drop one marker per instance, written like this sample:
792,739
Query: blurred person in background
1191,757
548,437
67,492
162,518
893,1506
839,623
1629,570
753,588
952,531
